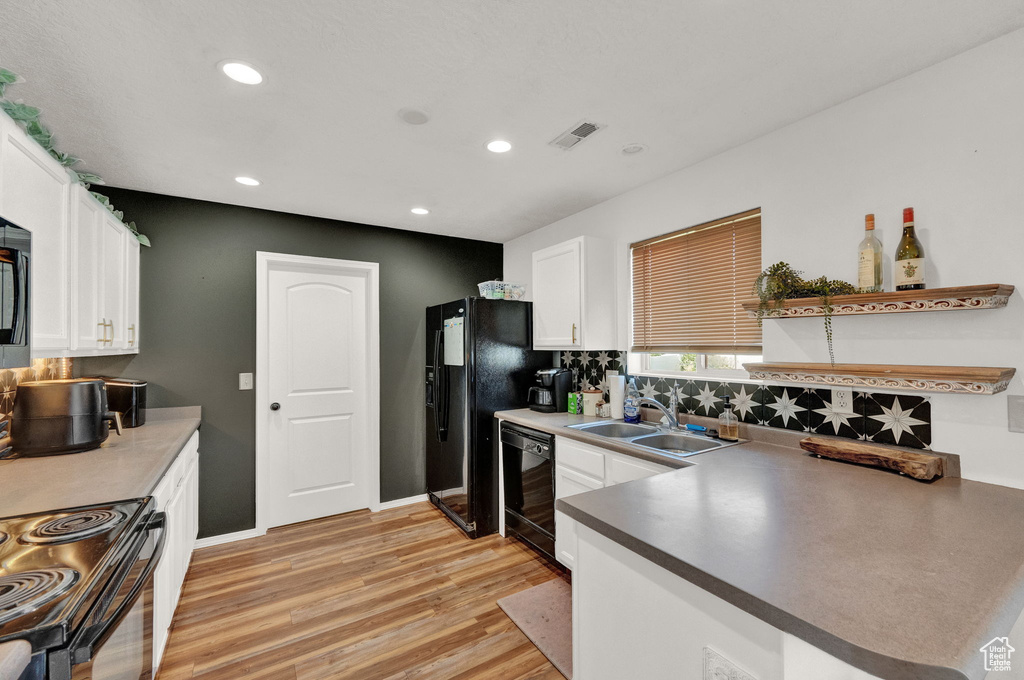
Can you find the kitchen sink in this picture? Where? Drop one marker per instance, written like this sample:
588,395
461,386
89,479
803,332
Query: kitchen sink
679,444
616,430
676,444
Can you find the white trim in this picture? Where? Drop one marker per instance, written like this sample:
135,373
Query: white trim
372,270
227,538
401,502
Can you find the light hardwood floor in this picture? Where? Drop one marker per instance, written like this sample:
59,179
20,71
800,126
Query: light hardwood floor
396,595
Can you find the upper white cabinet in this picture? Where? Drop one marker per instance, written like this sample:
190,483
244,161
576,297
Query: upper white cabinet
573,292
34,194
85,263
105,297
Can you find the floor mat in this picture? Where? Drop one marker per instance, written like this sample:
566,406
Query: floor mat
544,614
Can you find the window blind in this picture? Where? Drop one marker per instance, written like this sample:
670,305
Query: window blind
687,288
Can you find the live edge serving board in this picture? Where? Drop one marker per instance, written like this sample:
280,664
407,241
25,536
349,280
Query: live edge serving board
943,379
989,296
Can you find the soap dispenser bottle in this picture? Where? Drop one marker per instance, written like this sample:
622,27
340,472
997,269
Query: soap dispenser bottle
728,423
631,407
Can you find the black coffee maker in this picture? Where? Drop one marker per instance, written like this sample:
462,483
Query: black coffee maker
551,393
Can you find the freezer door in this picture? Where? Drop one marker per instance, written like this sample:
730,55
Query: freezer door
448,462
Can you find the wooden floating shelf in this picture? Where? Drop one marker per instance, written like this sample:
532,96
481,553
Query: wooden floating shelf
991,296
943,379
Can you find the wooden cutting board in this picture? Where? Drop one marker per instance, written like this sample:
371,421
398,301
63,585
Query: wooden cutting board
916,464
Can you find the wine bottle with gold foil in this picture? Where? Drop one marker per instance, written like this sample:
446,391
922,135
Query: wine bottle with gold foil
869,265
909,274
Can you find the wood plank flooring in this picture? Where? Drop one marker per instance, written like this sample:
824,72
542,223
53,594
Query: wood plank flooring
396,595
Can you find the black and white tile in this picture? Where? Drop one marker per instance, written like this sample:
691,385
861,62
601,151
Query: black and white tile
745,399
781,407
591,368
899,419
823,418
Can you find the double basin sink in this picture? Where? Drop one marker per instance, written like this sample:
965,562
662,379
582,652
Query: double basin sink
678,444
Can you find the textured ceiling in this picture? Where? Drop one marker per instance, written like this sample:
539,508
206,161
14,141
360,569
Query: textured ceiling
133,88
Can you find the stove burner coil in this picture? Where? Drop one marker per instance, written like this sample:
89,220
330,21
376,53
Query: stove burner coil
27,591
74,527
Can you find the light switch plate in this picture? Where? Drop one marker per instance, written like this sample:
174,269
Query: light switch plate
842,401
1015,412
717,667
245,381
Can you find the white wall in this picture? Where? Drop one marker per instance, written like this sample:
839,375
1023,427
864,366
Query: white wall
948,140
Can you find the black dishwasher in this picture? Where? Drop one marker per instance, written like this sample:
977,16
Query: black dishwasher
529,468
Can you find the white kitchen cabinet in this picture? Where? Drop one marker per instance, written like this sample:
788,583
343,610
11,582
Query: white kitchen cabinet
573,292
177,495
580,467
35,195
114,278
131,292
105,270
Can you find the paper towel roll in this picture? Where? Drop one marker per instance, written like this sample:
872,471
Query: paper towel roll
616,393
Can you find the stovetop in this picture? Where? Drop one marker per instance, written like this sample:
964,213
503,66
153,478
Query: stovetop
53,566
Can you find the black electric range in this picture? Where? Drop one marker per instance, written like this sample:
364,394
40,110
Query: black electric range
71,580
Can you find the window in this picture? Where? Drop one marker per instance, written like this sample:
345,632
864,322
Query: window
687,289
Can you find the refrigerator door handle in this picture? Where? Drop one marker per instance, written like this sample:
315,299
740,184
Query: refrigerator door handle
440,389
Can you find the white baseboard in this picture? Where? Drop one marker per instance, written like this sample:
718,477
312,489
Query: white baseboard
227,538
400,502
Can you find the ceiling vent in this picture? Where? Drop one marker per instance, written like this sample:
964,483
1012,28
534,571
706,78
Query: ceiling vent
576,134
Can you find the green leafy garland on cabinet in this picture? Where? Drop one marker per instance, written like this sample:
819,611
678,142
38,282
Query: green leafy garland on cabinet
28,117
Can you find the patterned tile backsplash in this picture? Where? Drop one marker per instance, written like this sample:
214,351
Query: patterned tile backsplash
896,419
41,369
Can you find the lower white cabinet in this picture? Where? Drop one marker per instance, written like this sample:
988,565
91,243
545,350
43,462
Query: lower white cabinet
177,495
581,467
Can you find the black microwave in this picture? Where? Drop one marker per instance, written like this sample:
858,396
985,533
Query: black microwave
15,310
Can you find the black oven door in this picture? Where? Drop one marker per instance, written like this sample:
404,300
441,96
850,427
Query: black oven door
15,332
115,642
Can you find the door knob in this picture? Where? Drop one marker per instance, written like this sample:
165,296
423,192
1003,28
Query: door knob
275,406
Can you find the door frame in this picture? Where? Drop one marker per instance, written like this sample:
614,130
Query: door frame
265,261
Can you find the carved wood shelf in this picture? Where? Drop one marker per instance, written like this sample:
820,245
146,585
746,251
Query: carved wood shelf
942,379
991,296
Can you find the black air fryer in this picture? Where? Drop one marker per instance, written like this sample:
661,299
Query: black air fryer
60,416
127,397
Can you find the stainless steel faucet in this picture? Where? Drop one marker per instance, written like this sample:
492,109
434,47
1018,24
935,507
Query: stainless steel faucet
672,412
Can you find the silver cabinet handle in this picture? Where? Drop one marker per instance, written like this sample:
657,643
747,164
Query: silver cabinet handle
131,337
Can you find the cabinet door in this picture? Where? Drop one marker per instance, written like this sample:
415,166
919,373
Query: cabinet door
569,483
87,242
113,280
619,469
558,296
34,194
131,292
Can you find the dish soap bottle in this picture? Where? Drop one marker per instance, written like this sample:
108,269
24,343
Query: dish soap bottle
631,406
728,423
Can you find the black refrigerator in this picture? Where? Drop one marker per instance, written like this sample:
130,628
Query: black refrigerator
479,360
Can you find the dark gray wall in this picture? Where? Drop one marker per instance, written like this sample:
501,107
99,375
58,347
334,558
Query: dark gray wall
198,329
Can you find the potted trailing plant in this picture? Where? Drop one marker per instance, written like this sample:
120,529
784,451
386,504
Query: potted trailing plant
780,282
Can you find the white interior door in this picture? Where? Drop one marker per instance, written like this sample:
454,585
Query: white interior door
321,393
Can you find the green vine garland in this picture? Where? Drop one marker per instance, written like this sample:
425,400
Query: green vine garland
781,282
28,118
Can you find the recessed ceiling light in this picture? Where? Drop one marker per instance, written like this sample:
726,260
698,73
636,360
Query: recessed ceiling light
248,181
413,116
498,146
241,72
631,149
420,211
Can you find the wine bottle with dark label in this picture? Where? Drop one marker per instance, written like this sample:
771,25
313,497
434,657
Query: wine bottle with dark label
909,274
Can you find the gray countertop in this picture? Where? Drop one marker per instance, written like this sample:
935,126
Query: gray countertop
900,578
14,658
126,466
